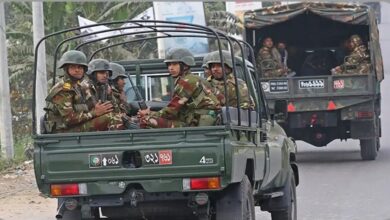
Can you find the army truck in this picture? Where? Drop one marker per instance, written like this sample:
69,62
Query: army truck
209,172
320,106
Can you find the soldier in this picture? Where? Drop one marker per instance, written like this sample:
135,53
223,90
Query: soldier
193,102
99,72
67,109
358,61
269,60
118,84
217,80
207,71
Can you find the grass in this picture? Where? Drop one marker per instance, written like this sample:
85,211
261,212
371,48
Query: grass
20,144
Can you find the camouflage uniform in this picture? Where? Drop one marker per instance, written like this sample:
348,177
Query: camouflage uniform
193,102
99,91
67,109
358,62
269,65
119,97
246,101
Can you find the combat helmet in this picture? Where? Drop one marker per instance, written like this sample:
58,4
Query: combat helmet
73,57
180,55
99,65
356,39
117,71
215,58
205,60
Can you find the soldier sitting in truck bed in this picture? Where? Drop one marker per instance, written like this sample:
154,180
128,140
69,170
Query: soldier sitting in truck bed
217,80
117,84
358,61
193,102
67,109
268,60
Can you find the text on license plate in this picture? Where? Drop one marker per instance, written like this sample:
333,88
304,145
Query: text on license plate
162,157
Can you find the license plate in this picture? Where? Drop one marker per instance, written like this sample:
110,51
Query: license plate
162,157
105,160
311,84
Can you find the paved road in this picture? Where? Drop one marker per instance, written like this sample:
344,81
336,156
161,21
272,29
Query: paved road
335,184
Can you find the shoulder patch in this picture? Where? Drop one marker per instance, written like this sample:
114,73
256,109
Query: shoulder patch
60,86
67,86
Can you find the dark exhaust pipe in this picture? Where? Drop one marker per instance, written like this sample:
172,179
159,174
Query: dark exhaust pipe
60,211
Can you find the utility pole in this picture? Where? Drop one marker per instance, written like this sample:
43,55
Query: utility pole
41,85
6,139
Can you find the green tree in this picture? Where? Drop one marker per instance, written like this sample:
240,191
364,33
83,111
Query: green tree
58,16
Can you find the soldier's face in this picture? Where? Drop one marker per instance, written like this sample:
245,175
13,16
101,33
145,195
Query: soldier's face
76,71
174,69
268,42
102,76
207,72
121,83
216,70
281,46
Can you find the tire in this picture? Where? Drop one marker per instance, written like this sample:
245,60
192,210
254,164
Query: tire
236,202
290,213
369,148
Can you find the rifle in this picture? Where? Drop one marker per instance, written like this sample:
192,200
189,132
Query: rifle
141,103
102,93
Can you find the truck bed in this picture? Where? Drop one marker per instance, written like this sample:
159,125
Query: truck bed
145,157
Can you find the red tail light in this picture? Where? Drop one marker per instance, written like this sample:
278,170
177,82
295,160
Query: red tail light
290,107
70,189
202,183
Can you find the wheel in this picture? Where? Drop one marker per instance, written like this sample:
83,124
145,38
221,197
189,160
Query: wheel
236,202
290,213
369,148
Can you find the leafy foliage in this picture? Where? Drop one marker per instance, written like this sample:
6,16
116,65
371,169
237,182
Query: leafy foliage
63,15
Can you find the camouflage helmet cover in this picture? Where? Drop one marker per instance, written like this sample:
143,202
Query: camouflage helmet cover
356,39
99,65
215,58
73,57
117,71
180,55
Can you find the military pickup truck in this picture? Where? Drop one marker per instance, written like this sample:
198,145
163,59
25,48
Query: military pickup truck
320,106
211,172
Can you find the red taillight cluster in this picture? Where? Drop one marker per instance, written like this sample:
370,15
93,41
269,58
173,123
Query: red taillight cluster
68,189
202,183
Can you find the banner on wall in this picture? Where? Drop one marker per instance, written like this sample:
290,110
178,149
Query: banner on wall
187,12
